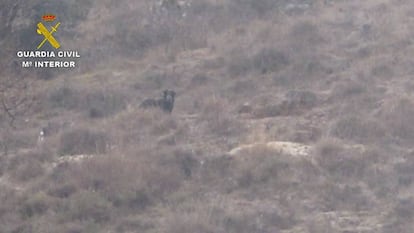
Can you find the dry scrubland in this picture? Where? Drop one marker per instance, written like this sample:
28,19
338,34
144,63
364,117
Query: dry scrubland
330,78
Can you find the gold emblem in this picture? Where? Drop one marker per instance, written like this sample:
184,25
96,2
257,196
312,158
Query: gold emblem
42,30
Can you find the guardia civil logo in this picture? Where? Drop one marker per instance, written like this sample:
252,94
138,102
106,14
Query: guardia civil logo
48,34
41,57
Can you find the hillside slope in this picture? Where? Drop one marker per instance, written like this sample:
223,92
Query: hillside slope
290,116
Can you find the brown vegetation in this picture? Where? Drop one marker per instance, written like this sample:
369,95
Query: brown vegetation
330,78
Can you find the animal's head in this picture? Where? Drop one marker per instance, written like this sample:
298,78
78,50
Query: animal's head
167,102
169,96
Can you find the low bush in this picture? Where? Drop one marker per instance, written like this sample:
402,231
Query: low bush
397,115
340,162
263,166
26,166
199,79
301,99
305,35
239,65
187,162
347,197
96,104
11,139
267,60
64,97
216,172
404,209
82,141
189,224
272,110
295,102
164,125
218,119
28,170
251,8
347,89
103,104
62,189
132,182
405,173
358,129
87,206
37,204
152,80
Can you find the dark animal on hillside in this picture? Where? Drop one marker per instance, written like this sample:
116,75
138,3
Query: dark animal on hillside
166,103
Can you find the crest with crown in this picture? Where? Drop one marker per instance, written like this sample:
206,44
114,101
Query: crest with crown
49,17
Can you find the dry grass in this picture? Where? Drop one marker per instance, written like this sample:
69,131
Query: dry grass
331,74
397,116
82,141
95,104
218,120
359,129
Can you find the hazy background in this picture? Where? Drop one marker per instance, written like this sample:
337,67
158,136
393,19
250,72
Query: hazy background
332,80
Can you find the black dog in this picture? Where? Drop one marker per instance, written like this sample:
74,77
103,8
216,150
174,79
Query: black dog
166,103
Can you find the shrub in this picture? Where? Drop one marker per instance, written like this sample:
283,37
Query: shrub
397,114
136,41
167,179
188,224
62,189
239,65
37,204
42,154
269,111
262,166
305,35
199,80
405,173
118,180
383,71
64,97
96,104
295,102
218,120
87,205
103,104
257,222
25,169
186,162
215,171
29,170
82,141
240,88
340,162
269,60
252,8
301,99
12,139
208,216
265,61
344,90
164,126
152,80
320,226
127,182
404,209
134,223
344,197
358,129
